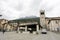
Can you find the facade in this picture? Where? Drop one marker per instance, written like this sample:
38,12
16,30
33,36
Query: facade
53,24
4,25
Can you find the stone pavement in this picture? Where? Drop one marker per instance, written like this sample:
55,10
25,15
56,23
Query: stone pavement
26,36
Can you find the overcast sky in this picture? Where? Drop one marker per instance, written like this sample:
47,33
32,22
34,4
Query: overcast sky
14,9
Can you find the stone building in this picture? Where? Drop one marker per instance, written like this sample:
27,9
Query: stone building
26,26
4,25
53,23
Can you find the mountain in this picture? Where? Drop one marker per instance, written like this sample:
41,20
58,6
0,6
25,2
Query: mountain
27,19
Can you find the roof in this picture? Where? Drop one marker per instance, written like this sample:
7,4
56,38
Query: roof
31,23
53,18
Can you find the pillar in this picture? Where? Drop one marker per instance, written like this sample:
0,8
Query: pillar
25,28
18,29
37,28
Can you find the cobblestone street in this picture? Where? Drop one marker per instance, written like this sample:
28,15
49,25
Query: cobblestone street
26,36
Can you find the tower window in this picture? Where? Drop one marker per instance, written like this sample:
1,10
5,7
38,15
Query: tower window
42,13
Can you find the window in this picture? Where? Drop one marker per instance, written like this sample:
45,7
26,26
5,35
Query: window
56,22
42,13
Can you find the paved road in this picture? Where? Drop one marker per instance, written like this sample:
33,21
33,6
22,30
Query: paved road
26,36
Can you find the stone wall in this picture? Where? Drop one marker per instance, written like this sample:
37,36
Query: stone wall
53,25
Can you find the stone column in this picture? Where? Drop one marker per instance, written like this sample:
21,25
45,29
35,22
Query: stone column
37,28
18,29
51,26
25,28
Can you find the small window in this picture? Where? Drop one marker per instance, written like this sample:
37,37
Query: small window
56,22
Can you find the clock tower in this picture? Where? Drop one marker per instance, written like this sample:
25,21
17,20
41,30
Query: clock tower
42,18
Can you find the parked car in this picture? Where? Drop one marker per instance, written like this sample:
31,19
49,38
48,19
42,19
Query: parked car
44,31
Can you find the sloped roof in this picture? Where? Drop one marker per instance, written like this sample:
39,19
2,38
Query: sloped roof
53,18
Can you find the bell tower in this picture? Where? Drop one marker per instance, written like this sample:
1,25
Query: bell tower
42,18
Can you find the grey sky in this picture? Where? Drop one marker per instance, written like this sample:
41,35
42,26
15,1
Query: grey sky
14,9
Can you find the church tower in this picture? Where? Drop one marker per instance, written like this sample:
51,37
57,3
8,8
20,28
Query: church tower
42,18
